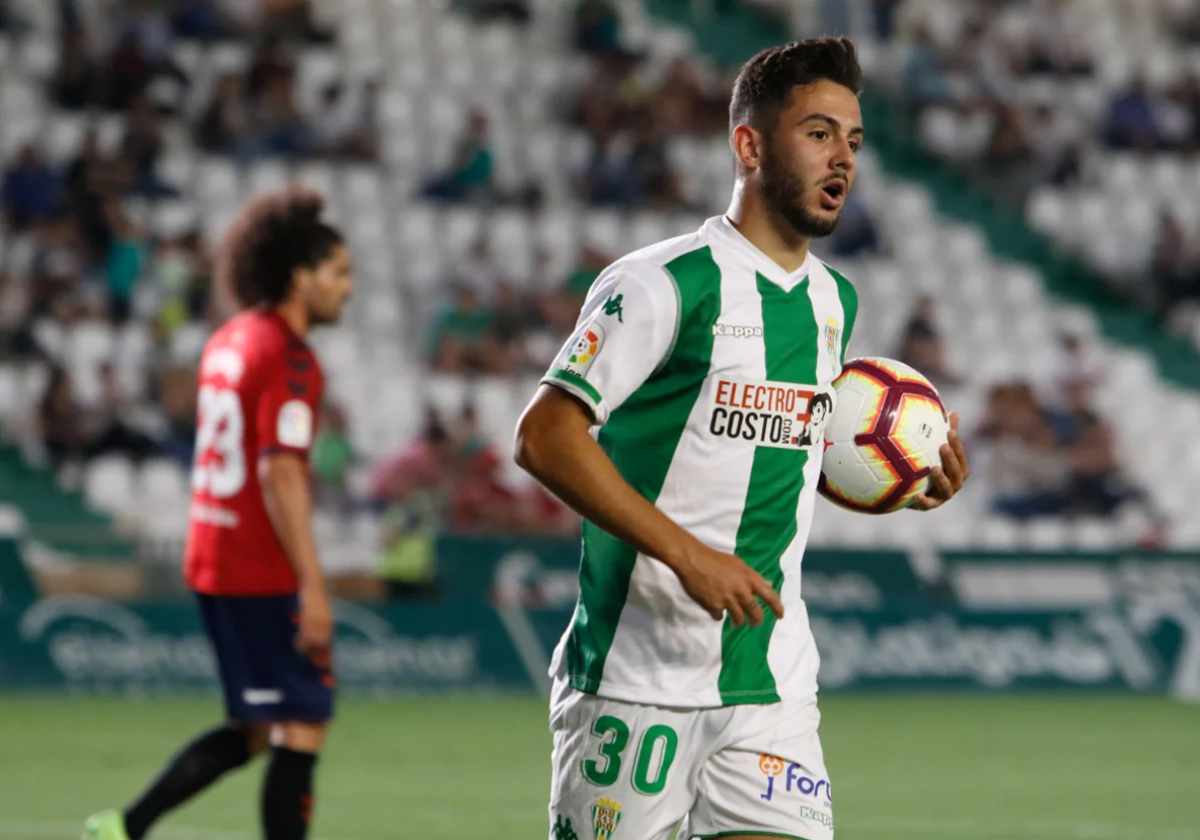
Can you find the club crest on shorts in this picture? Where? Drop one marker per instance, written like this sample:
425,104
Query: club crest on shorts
771,766
606,816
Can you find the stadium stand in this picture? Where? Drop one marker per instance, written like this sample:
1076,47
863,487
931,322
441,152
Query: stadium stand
477,153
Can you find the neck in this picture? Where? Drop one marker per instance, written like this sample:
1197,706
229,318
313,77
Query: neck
766,231
293,313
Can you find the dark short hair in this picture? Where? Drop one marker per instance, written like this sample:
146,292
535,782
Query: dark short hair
764,86
272,236
822,398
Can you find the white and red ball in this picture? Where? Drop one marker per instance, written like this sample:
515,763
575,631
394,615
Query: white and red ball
887,428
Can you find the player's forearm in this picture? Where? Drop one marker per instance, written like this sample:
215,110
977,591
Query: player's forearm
569,463
289,506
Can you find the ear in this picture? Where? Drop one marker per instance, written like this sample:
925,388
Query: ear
747,146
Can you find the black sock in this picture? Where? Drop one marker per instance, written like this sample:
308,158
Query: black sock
287,794
196,766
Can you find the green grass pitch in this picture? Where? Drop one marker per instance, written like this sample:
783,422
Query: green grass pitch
905,768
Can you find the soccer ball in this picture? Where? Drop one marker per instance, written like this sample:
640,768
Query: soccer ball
887,427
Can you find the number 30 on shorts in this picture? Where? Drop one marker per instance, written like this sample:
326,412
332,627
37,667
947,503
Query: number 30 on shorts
649,775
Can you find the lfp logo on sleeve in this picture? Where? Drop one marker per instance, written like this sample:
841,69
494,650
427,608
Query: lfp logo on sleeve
579,355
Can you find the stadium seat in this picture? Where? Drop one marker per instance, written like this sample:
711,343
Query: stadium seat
162,481
109,485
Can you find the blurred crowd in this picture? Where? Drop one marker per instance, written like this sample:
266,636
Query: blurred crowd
1044,449
78,267
975,88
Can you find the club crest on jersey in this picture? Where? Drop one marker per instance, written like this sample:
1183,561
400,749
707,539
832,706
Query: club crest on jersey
832,331
782,415
606,816
577,357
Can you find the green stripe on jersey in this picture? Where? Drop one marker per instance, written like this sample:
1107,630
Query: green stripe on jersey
849,299
640,438
768,526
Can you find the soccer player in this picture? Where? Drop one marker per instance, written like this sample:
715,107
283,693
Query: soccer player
250,555
677,697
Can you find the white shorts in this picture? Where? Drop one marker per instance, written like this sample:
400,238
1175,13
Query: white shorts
627,771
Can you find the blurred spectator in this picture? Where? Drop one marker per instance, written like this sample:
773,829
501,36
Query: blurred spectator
1055,144
200,19
921,345
345,128
924,71
1071,365
226,124
883,18
16,306
142,147
127,74
597,26
421,464
76,82
483,11
31,190
655,180
1095,486
175,388
146,24
1132,123
332,458
470,174
280,128
463,337
609,178
60,420
271,18
10,19
1028,471
478,269
125,261
1175,270
684,103
856,233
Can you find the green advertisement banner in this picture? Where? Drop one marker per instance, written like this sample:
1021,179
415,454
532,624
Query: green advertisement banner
988,622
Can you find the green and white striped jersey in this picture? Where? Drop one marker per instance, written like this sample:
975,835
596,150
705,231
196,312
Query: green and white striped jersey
708,369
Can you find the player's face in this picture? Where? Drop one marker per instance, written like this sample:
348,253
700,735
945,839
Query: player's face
331,284
807,164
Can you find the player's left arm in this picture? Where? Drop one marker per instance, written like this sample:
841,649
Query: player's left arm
947,479
286,425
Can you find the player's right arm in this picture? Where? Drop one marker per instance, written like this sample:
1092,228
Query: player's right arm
630,318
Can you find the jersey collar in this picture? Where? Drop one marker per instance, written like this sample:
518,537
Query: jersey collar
763,264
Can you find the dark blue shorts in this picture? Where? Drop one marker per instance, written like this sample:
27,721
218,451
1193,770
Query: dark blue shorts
263,677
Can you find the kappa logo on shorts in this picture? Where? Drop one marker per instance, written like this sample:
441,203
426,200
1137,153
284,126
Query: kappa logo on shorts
772,766
606,816
262,696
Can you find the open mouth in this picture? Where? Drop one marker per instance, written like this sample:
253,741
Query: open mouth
832,193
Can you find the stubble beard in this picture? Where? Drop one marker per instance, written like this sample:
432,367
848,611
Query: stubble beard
786,197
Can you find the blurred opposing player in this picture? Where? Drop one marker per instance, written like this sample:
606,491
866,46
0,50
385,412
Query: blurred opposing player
707,362
250,557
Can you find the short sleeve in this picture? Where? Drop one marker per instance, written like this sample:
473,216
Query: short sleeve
624,334
289,400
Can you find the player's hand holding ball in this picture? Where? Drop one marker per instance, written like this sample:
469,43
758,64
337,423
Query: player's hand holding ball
945,481
722,582
890,443
315,633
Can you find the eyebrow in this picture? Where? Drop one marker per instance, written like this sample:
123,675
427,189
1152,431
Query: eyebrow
832,122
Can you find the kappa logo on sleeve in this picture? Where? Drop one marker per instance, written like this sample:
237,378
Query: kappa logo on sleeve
578,356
